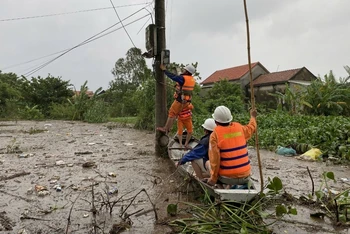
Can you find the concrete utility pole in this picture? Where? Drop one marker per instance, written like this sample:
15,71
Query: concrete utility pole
161,140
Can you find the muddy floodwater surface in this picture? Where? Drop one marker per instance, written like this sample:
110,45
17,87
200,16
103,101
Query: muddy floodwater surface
74,177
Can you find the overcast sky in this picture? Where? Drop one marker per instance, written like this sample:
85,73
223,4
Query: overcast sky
284,35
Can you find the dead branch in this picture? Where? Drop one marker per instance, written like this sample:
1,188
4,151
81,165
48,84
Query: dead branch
144,212
34,218
312,181
336,210
132,200
70,212
93,209
17,196
128,215
23,173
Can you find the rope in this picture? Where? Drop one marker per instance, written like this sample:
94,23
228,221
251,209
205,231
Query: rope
252,96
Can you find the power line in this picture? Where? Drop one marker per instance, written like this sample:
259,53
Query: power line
72,12
115,10
144,25
81,44
32,60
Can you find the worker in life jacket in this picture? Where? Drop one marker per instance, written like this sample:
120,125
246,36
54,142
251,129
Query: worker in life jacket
198,156
228,154
185,120
183,94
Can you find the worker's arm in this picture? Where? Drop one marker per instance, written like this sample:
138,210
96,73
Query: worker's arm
176,78
214,159
250,129
199,151
180,79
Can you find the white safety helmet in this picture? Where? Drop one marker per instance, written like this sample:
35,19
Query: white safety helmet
190,69
209,124
222,114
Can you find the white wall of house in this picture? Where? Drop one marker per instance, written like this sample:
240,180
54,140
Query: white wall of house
256,71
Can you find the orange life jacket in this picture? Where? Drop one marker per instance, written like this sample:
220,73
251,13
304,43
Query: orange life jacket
184,93
185,114
233,150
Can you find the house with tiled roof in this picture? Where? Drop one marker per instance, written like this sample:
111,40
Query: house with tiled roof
277,81
239,74
264,82
88,93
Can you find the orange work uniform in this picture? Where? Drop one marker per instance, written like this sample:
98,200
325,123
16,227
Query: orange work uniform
182,95
228,153
185,120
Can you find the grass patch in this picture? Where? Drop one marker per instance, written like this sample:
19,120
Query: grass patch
35,131
124,120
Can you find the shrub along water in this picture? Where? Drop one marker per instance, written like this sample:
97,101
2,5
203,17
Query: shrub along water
331,134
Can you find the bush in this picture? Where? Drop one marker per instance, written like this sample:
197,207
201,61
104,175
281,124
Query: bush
62,111
97,112
31,113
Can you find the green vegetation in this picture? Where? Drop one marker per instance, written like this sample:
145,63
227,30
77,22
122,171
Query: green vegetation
124,120
233,217
307,116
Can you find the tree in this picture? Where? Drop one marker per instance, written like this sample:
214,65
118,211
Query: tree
10,94
129,73
328,96
293,99
227,94
43,92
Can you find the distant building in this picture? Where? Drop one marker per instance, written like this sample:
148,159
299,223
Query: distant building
276,81
264,82
239,74
88,93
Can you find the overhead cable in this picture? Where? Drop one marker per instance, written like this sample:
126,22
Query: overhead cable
115,10
32,60
68,13
81,44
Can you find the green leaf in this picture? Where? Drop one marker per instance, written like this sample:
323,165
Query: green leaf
275,184
319,194
281,210
244,229
330,175
172,209
292,210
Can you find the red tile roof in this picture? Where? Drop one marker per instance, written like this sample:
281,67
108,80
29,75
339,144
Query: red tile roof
276,77
88,92
233,73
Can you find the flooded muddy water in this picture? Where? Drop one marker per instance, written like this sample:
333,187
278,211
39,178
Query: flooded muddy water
56,175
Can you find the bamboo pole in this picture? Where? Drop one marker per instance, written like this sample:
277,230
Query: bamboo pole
252,97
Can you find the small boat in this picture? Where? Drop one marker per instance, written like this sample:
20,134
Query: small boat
239,195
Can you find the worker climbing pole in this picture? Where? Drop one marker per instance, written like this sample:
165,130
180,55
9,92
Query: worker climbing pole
252,97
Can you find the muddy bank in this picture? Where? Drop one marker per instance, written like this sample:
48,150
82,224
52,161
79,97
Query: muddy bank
46,167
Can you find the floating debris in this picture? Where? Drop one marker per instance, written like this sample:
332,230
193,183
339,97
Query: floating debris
39,188
60,163
89,164
43,193
83,152
113,190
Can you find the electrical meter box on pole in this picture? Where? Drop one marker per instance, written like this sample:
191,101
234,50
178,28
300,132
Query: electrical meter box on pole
151,39
165,57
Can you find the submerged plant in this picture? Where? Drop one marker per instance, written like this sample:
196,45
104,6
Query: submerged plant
231,216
